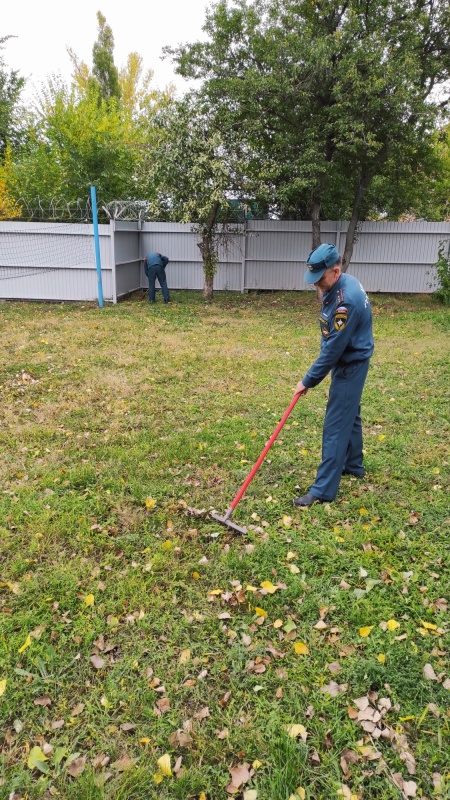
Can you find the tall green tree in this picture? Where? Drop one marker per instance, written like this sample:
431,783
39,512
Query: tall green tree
191,177
72,143
11,85
328,95
104,70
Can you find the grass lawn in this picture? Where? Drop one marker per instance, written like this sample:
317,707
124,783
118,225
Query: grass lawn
139,637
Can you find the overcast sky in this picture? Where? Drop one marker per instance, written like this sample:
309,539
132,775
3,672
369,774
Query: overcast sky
45,28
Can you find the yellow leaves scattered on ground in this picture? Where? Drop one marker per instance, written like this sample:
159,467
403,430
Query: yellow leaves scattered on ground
164,765
37,759
2,687
392,624
260,612
12,586
26,644
296,730
150,503
299,794
185,656
365,632
381,658
301,649
89,600
269,587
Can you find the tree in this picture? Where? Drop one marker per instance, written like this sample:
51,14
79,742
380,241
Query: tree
191,177
11,85
104,70
84,134
72,143
328,96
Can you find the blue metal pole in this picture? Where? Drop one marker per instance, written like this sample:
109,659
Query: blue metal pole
97,246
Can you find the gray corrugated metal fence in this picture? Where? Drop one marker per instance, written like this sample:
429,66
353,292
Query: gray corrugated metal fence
56,261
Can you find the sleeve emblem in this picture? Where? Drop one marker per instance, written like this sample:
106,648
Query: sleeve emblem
340,321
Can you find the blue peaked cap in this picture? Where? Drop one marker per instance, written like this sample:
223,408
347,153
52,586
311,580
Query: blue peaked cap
319,260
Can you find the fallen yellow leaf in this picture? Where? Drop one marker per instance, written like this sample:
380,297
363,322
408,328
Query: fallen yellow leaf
363,511
250,588
89,600
256,764
144,740
301,648
428,625
2,687
185,656
278,623
260,612
167,544
26,644
215,592
36,759
364,632
150,503
296,730
381,658
287,521
164,764
202,796
196,576
269,587
158,777
291,555
392,624
294,569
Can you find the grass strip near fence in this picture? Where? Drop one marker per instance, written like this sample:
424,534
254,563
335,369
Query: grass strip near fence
147,652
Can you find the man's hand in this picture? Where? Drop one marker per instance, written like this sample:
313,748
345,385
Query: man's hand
300,389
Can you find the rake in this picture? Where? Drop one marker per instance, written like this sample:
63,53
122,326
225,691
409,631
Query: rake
226,519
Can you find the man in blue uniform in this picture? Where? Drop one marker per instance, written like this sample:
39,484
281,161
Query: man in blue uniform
346,346
155,267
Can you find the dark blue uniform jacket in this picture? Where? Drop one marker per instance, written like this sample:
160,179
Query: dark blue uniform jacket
346,325
154,260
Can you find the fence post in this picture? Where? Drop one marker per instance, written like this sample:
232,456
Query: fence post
244,259
98,262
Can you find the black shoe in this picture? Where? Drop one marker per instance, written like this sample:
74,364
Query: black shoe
167,301
355,474
307,500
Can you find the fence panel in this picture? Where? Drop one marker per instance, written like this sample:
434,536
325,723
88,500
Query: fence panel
55,261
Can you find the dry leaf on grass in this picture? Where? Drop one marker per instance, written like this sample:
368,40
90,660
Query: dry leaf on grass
239,775
43,701
77,709
77,766
180,738
429,673
333,688
123,764
98,662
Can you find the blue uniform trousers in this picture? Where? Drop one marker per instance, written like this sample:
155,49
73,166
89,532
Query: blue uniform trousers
342,441
157,271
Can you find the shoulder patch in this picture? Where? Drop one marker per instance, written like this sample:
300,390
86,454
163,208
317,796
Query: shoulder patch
340,321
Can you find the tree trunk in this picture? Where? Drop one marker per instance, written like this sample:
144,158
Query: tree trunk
315,219
354,219
209,255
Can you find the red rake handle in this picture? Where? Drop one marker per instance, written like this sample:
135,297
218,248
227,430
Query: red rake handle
269,444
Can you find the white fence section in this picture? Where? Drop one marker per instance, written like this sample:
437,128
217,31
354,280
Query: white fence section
56,261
